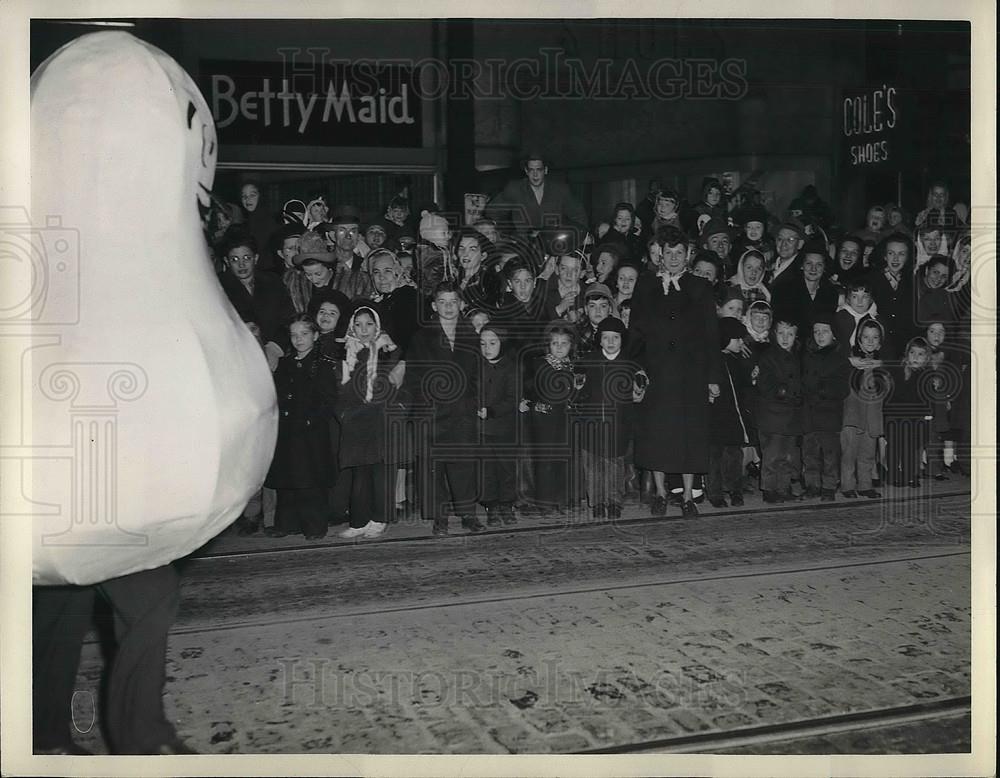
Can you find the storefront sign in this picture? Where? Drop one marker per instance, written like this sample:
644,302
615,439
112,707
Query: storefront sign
869,118
338,104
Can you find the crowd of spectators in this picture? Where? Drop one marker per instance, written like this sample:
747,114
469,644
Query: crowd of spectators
680,351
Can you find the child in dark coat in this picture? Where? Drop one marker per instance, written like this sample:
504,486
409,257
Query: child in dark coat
302,468
604,406
779,419
497,427
365,392
862,421
825,383
909,410
727,428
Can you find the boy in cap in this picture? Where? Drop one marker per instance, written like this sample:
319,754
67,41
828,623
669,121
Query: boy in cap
598,306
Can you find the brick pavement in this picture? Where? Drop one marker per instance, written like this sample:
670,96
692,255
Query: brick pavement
578,671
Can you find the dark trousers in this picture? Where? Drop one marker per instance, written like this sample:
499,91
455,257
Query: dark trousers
302,511
370,492
779,456
498,467
858,452
905,441
447,481
605,478
725,471
821,459
144,606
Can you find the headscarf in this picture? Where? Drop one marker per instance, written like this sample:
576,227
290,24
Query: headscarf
960,274
354,346
739,279
402,278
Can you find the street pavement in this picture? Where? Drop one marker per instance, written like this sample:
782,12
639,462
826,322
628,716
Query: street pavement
565,637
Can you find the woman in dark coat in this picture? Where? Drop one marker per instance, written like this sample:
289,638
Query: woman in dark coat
801,296
674,336
892,288
302,468
932,301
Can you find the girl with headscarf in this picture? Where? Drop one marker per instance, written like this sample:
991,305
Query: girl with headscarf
366,443
749,277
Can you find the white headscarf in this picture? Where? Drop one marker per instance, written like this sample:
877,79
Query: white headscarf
354,345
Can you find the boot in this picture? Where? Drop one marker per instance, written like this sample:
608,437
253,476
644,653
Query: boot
507,513
472,524
492,514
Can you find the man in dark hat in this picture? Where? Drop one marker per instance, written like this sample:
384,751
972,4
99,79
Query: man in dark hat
257,296
533,202
351,272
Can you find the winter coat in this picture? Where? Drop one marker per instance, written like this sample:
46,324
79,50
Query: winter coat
863,404
895,311
674,337
366,427
790,300
499,394
269,305
306,389
604,405
440,380
780,385
826,375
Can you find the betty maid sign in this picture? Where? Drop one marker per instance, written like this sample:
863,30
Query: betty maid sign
335,104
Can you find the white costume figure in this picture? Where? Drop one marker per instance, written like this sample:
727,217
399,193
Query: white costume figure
123,151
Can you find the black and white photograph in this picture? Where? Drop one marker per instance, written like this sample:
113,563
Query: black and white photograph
528,390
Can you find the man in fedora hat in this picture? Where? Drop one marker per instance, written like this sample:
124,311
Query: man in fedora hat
350,274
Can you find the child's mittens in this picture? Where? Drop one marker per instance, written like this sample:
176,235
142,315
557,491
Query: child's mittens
524,406
483,413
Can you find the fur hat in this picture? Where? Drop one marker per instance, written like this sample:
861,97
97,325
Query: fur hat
312,245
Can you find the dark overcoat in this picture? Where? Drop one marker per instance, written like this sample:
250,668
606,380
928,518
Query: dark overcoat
779,382
440,381
307,390
675,338
826,383
604,406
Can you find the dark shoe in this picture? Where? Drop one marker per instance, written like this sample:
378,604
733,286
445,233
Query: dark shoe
913,483
507,515
850,494
736,499
659,506
689,509
315,536
941,477
493,516
599,512
772,497
718,502
440,527
175,748
614,511
828,495
472,524
871,494
272,532
246,527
